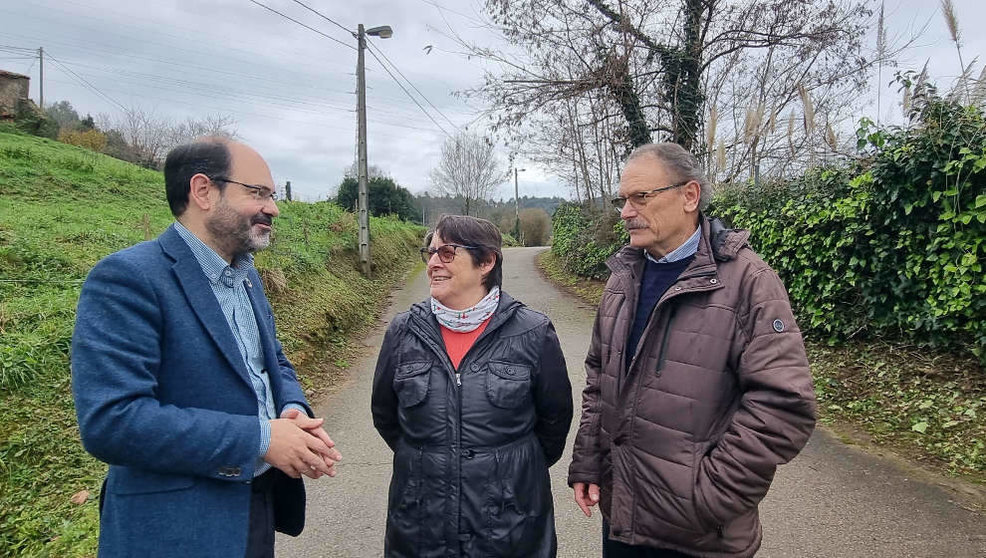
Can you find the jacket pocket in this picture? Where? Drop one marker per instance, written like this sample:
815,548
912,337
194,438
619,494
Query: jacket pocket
127,480
519,503
703,515
405,519
411,382
508,386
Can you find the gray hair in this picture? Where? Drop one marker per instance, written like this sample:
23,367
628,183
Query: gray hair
682,164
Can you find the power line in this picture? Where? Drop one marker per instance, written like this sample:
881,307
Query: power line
443,8
325,17
254,93
197,89
195,52
18,49
408,93
454,125
347,45
184,67
113,51
191,88
89,85
303,121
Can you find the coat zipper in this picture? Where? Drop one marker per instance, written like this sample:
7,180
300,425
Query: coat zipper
664,342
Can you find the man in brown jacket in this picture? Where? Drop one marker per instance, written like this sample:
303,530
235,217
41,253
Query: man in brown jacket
697,384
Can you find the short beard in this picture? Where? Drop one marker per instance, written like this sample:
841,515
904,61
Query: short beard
235,232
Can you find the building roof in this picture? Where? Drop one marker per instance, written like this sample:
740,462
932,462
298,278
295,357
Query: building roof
6,74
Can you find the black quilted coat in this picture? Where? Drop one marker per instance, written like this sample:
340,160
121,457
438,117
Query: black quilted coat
472,447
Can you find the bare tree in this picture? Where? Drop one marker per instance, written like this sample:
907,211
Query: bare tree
468,168
220,125
654,69
580,144
150,137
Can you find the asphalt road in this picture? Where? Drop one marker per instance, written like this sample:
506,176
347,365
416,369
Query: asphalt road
832,501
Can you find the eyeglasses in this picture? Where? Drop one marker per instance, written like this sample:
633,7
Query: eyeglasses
259,193
446,252
639,199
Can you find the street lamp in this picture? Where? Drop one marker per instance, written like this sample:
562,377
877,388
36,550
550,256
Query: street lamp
517,206
384,32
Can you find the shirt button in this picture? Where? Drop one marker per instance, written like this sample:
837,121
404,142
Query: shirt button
713,281
677,288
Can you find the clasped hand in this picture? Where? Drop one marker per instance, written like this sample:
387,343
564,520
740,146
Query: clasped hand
300,446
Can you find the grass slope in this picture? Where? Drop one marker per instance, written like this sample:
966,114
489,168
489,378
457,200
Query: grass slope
64,208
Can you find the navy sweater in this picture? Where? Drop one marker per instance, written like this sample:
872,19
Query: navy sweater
657,278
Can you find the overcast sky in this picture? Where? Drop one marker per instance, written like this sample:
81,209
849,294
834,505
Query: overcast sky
292,91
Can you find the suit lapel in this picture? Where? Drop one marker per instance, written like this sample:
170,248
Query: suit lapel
200,297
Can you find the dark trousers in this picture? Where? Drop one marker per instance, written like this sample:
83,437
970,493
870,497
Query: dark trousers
260,536
615,549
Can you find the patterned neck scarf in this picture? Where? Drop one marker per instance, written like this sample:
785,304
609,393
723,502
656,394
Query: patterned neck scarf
464,321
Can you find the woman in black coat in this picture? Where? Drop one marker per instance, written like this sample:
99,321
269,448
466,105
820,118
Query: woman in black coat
472,394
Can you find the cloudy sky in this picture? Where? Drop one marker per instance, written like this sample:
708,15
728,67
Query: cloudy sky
292,90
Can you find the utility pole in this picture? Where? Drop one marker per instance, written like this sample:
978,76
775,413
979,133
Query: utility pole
363,201
363,198
41,80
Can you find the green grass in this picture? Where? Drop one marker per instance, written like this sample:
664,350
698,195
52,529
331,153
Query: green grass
552,267
64,208
926,406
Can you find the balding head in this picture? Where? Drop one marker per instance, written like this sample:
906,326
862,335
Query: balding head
209,155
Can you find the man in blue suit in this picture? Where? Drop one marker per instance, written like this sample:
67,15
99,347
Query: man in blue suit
179,380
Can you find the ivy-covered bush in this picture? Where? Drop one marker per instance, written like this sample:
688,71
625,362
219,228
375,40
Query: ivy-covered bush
583,238
892,245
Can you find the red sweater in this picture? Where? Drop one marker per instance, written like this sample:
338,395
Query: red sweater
458,344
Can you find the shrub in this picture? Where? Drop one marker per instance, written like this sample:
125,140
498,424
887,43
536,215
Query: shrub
92,139
535,226
583,238
33,120
892,245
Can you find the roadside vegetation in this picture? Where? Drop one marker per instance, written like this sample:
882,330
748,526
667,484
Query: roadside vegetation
63,209
883,260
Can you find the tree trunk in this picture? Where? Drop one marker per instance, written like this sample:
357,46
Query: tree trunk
687,84
623,91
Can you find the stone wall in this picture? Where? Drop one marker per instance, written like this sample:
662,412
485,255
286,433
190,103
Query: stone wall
13,88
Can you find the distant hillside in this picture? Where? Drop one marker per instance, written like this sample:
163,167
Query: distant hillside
434,206
63,208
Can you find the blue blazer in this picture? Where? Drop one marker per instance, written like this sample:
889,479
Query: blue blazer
162,394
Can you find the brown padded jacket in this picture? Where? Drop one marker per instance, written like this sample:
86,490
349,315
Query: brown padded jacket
684,445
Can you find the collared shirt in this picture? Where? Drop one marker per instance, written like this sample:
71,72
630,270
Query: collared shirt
686,250
228,286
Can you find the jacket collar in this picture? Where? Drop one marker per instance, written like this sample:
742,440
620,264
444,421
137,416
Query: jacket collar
716,244
200,297
504,310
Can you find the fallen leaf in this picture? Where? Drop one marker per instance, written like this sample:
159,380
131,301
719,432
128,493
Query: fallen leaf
80,497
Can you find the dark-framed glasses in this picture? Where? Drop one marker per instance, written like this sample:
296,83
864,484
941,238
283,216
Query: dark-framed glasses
639,199
259,193
446,252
